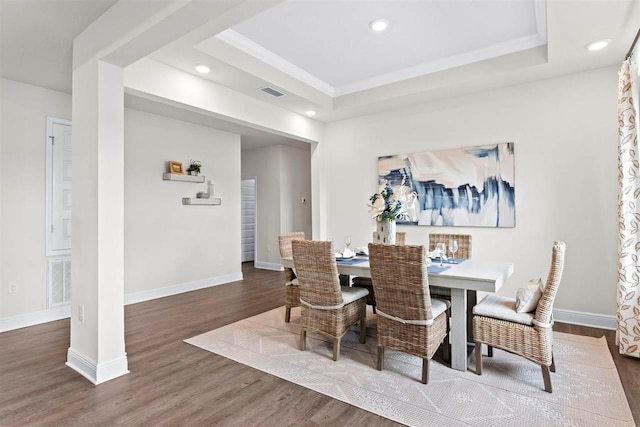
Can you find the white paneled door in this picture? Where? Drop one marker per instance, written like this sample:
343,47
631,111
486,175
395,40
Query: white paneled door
59,194
248,213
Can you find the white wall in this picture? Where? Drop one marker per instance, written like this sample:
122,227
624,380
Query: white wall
167,243
264,164
283,179
22,192
565,134
295,184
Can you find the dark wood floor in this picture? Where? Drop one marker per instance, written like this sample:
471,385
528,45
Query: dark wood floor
173,383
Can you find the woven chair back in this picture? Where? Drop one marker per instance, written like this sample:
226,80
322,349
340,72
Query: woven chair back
401,237
285,240
400,282
464,243
545,306
315,265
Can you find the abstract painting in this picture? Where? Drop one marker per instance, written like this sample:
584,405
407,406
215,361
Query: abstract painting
461,187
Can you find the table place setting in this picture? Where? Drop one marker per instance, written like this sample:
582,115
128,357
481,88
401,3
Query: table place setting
439,256
437,260
362,251
446,260
440,253
348,257
345,254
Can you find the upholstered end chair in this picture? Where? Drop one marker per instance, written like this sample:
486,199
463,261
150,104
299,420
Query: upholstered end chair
292,290
408,319
496,323
327,307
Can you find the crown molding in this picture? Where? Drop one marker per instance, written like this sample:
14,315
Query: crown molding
252,48
442,64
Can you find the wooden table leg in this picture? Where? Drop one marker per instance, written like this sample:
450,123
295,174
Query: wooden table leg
472,300
345,280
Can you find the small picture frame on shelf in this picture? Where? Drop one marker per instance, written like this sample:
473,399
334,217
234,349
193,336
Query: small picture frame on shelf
175,167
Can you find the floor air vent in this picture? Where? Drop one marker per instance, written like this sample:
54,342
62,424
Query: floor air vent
59,282
271,91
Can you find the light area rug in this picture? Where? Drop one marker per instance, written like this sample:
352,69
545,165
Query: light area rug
586,386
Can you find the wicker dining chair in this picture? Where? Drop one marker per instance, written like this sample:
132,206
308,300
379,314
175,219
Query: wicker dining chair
464,251
464,243
408,318
327,307
292,290
496,323
365,282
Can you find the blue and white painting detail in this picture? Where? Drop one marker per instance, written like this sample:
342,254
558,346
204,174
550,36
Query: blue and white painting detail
460,187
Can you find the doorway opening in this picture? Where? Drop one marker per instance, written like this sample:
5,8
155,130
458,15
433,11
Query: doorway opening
248,221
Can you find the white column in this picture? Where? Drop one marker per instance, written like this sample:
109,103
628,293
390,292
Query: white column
97,348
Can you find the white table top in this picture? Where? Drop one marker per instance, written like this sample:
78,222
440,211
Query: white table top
486,276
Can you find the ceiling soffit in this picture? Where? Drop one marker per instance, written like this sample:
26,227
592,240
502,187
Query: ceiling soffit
475,31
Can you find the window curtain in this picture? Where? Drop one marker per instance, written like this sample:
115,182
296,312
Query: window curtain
628,303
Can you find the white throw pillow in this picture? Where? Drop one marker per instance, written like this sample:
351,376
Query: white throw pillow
527,298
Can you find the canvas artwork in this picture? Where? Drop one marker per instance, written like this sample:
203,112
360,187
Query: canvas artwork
462,187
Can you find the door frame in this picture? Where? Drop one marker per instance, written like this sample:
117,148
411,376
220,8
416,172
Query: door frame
255,217
49,186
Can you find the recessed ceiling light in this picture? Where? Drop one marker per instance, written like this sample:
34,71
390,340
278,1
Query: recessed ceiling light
379,25
310,113
203,69
598,44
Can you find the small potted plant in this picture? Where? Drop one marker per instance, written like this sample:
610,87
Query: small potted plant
194,167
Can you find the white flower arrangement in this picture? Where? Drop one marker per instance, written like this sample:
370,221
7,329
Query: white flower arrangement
384,205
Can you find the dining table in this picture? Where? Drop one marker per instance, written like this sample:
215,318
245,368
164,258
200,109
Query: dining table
463,276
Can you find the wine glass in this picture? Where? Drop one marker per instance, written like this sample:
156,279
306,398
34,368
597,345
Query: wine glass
442,250
347,242
453,247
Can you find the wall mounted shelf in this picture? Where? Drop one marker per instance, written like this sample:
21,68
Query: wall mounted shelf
202,202
179,177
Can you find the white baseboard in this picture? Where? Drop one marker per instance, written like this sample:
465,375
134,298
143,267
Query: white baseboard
64,312
601,321
97,373
268,266
35,318
136,297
